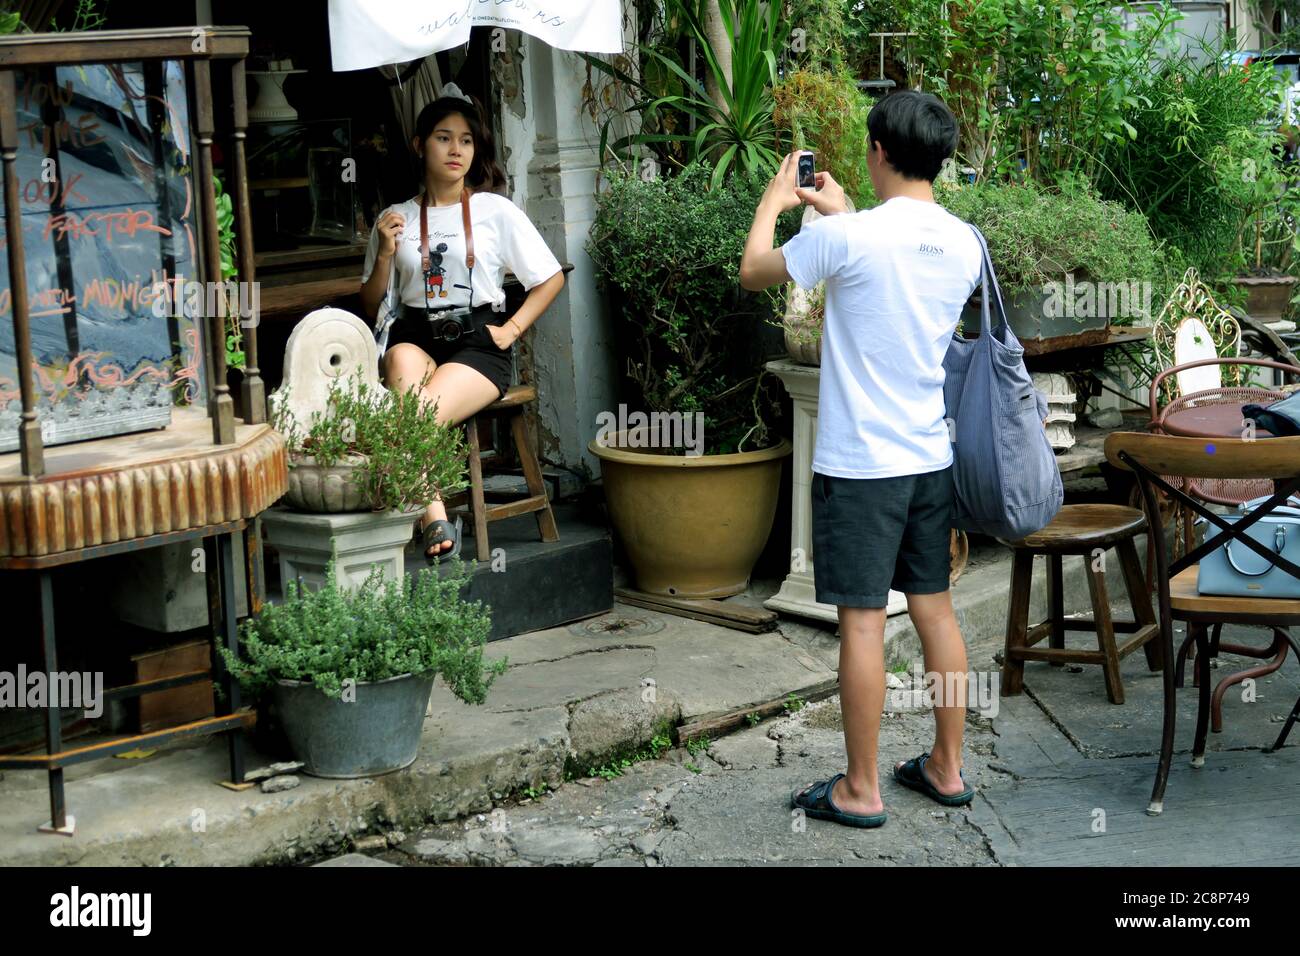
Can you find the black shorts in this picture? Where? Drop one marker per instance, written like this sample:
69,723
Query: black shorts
874,534
475,349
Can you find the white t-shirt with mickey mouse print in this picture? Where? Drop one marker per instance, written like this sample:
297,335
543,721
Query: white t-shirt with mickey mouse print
504,238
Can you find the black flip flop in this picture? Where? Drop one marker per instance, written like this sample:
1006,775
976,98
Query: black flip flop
437,531
815,801
911,775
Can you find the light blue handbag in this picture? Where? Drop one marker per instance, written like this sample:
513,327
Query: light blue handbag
1234,570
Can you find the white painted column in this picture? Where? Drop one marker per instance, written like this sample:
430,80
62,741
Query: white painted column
798,593
553,168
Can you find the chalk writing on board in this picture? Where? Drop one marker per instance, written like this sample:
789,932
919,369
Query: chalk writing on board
106,207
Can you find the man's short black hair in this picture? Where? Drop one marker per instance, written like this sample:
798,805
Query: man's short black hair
917,131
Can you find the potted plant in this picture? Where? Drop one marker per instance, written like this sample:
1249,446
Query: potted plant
727,119
823,111
359,472
1205,165
375,449
693,511
1270,233
350,671
1068,263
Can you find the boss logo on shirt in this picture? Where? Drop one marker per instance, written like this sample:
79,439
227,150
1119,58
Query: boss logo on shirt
928,250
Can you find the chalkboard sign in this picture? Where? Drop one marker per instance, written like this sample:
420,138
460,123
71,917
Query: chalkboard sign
109,210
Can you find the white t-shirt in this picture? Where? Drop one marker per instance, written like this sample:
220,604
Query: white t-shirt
504,238
897,276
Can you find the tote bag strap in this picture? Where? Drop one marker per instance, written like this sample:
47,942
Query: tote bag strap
988,277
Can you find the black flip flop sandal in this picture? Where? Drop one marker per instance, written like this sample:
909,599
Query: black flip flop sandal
815,801
435,532
913,777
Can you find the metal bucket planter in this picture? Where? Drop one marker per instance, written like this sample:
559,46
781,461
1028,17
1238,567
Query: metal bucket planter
377,733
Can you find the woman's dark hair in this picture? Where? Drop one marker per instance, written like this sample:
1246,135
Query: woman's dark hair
917,131
484,173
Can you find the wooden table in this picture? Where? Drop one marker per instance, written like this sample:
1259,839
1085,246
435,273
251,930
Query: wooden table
128,493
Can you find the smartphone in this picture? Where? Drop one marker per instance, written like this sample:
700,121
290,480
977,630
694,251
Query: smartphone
807,171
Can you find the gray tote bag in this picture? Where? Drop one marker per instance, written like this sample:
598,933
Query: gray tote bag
1006,481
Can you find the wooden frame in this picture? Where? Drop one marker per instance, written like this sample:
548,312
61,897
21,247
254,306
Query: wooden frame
111,496
197,46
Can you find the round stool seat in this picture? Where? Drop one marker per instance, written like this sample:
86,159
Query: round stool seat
1078,529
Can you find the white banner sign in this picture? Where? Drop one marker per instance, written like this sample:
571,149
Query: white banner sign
365,33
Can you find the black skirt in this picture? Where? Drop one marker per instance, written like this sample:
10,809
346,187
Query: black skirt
475,348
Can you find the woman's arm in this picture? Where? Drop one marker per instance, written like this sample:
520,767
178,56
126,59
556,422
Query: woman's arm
384,239
539,298
374,288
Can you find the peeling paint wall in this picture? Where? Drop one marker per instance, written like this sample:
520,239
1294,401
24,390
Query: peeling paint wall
549,149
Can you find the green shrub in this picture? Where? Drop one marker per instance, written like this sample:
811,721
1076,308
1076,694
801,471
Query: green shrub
380,630
668,253
1202,166
1037,88
1035,235
411,457
825,112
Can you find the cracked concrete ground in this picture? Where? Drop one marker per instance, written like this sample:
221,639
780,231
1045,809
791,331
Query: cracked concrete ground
729,805
1063,776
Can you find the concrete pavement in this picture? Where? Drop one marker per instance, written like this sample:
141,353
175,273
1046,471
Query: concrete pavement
576,697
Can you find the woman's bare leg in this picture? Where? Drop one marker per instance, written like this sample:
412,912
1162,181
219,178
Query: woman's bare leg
458,390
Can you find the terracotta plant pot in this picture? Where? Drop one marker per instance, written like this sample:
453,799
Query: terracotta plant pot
692,526
322,490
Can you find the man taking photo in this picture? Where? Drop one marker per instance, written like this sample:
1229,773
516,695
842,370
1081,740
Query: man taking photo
897,276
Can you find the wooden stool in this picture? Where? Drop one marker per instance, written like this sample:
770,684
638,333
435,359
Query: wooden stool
512,404
1080,530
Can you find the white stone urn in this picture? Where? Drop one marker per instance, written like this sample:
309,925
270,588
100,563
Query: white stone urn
326,346
805,312
803,324
327,490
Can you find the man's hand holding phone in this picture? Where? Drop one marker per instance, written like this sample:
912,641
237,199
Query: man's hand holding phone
782,189
827,198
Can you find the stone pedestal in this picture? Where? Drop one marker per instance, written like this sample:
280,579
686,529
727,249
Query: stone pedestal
164,589
306,542
798,594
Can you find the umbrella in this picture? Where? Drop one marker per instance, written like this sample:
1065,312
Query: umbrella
366,33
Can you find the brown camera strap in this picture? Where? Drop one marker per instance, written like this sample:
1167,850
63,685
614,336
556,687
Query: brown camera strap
424,230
